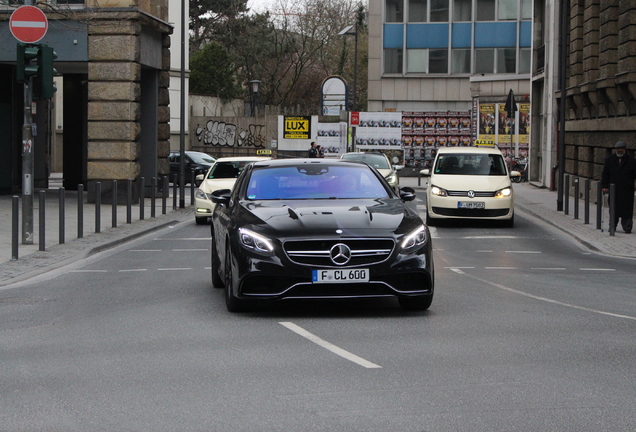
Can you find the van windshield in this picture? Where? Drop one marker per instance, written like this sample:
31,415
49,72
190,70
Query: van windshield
470,164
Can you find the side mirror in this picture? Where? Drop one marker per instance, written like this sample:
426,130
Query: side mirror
221,196
425,172
199,178
515,174
407,193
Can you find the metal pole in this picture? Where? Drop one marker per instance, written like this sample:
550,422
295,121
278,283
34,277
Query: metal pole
192,187
566,197
42,221
587,201
599,206
114,204
166,191
27,166
61,212
182,110
355,67
98,207
142,190
174,194
80,210
153,195
576,197
612,206
15,226
564,15
129,201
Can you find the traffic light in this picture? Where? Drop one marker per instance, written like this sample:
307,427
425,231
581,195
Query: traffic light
25,53
44,87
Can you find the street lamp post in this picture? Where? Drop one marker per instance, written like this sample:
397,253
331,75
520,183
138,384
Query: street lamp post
255,84
352,30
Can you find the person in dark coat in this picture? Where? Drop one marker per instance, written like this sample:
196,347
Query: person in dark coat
313,152
620,169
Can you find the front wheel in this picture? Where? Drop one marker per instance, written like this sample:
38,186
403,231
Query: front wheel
419,303
232,303
429,220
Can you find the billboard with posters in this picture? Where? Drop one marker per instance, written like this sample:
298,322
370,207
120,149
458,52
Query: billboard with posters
486,122
379,130
296,132
332,138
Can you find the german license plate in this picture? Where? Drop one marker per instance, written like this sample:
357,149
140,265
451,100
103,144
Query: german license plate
471,204
340,276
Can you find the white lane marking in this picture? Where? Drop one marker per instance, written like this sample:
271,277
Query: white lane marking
547,268
501,268
484,251
182,239
457,267
524,252
133,270
88,271
549,300
487,237
190,250
456,270
145,250
175,268
597,269
329,346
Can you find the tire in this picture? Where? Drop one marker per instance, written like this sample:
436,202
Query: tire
201,220
419,303
232,303
516,179
429,220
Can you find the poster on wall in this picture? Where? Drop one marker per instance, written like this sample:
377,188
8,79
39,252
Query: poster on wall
487,122
379,130
332,138
296,133
506,126
524,125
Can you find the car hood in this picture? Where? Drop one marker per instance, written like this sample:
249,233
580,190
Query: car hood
356,217
210,185
385,172
476,183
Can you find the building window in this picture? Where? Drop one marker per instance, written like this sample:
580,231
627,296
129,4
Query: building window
417,10
439,10
394,11
524,60
462,10
507,10
526,9
392,60
438,61
506,60
417,60
484,60
485,10
460,61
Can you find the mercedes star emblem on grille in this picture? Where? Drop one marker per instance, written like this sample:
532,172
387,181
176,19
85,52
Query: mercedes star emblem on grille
340,254
471,194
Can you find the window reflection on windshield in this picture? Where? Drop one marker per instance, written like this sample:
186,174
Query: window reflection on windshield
470,164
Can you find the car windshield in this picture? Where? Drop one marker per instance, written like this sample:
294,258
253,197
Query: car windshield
201,158
375,160
470,164
225,170
314,182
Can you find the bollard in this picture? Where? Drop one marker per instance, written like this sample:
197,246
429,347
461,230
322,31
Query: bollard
129,201
80,210
42,222
166,190
599,206
612,205
576,197
98,207
192,187
15,226
142,192
61,212
153,195
587,201
114,203
566,198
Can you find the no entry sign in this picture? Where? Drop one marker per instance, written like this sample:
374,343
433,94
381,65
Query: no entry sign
28,24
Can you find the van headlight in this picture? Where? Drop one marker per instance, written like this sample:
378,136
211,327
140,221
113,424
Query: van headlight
414,240
391,178
435,190
256,242
504,193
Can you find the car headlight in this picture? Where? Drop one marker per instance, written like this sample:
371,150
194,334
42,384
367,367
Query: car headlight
438,191
503,193
256,242
200,194
414,240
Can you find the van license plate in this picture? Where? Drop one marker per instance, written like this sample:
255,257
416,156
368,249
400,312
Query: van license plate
471,204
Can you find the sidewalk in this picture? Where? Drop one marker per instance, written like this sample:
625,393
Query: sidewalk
529,199
542,204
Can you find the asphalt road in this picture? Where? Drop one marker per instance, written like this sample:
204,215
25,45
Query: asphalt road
527,332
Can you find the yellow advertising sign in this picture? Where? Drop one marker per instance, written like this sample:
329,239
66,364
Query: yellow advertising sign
297,127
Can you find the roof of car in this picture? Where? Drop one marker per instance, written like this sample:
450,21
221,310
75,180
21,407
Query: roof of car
243,158
475,150
307,161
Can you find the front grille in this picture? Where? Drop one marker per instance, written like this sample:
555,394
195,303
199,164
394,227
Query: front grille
470,213
315,253
478,194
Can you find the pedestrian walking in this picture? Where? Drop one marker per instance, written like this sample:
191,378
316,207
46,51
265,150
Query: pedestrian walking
313,152
320,151
620,170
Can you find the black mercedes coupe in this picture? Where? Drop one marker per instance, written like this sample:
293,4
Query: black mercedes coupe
319,229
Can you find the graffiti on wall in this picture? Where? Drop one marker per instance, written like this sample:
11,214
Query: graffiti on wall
222,134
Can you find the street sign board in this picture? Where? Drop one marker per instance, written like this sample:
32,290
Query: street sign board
28,24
